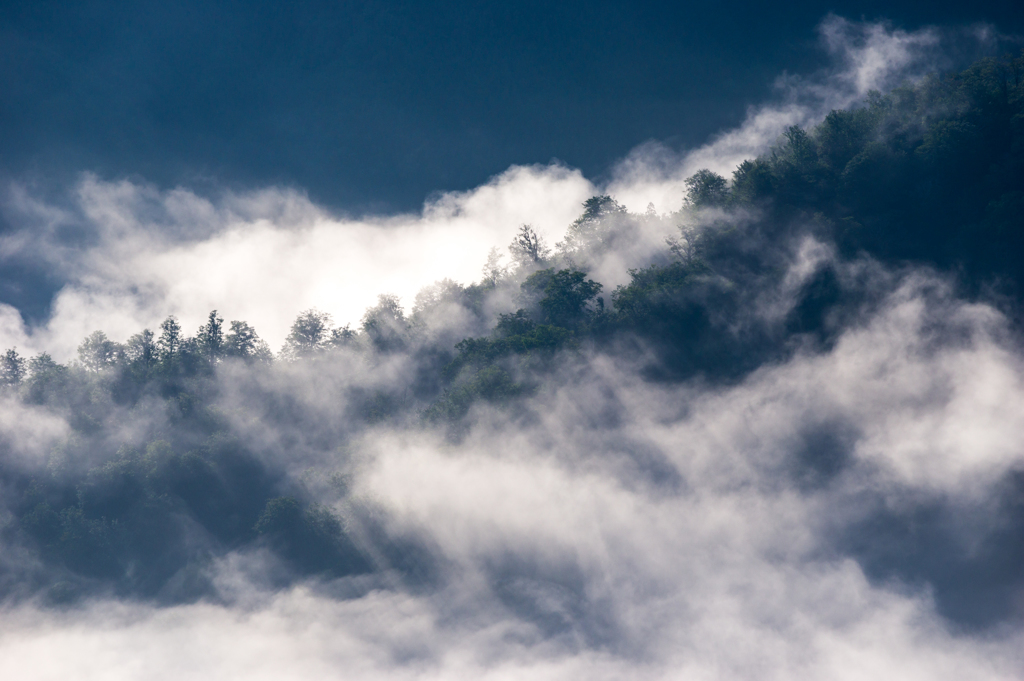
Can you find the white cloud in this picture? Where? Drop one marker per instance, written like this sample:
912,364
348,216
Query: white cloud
263,257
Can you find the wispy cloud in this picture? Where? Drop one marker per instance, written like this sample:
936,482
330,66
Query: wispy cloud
137,254
864,56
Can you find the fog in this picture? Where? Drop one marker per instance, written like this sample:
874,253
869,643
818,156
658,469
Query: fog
841,501
624,530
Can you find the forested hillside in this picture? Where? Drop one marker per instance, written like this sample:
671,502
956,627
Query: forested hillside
177,447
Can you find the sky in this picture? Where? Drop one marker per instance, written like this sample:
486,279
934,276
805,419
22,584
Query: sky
263,159
380,114
372,106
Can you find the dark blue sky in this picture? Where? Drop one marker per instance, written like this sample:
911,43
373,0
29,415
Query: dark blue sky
372,106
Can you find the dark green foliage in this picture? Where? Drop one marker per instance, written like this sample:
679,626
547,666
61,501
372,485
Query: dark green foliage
534,344
491,384
752,181
705,189
564,296
483,367
517,323
597,207
312,539
840,137
910,174
281,516
139,518
650,290
675,308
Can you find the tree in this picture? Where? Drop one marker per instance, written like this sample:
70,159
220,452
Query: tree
439,295
687,247
601,216
309,334
313,539
97,352
800,150
385,322
281,516
706,189
169,343
840,137
514,324
751,181
12,367
46,377
211,337
493,270
342,336
242,342
141,350
566,294
597,207
527,248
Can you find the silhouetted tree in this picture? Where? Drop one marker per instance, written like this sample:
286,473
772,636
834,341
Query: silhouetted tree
706,189
141,350
211,338
169,343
